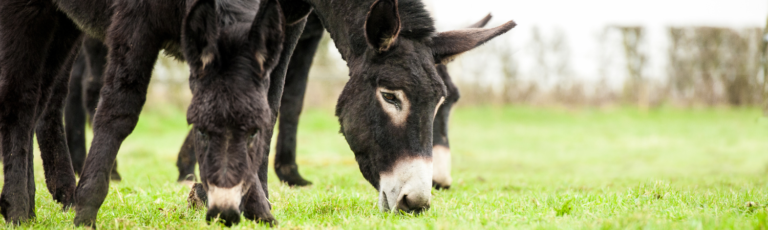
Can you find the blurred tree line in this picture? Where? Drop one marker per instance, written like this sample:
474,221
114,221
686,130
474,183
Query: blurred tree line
705,66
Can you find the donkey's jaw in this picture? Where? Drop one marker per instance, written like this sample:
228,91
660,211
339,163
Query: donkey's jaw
407,186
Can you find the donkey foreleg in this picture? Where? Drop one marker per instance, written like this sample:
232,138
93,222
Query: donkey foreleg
256,206
28,68
132,55
96,62
74,114
59,175
186,160
292,101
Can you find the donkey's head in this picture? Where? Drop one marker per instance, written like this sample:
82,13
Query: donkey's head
387,108
230,67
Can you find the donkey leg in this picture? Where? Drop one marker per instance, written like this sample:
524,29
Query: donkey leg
123,95
96,59
441,152
292,101
186,160
27,29
256,206
74,114
198,198
31,180
59,175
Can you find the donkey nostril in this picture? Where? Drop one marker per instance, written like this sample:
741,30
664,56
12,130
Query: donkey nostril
412,204
402,204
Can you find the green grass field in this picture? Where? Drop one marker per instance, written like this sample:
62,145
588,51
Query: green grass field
513,167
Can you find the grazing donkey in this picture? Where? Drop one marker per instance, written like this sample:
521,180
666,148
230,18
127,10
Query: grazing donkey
231,49
388,107
296,81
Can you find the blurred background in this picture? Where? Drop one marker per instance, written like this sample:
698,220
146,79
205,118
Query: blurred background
681,53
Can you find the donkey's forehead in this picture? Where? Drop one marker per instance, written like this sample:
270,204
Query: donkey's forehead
230,102
234,35
408,74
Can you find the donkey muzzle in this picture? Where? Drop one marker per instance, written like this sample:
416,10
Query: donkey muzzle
224,204
407,187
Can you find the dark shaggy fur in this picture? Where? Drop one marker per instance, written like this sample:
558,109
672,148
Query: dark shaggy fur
28,71
37,43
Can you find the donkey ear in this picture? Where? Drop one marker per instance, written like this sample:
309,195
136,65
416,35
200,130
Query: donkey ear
200,31
382,25
447,45
267,34
482,22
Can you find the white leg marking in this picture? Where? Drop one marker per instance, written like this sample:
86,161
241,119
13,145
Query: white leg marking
441,157
410,177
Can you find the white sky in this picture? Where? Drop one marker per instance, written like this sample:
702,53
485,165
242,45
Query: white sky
582,21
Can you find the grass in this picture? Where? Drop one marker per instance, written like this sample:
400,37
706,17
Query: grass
514,167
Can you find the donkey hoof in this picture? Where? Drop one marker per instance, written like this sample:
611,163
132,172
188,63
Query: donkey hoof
85,216
85,222
187,178
440,186
197,197
65,195
289,174
114,176
271,221
67,204
14,215
268,219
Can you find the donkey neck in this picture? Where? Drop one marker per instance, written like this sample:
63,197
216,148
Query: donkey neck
345,21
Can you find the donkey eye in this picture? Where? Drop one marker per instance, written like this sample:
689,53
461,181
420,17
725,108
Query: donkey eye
389,97
253,134
202,134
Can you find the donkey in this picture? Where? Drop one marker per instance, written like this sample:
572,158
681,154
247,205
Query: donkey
296,81
387,108
232,49
290,106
